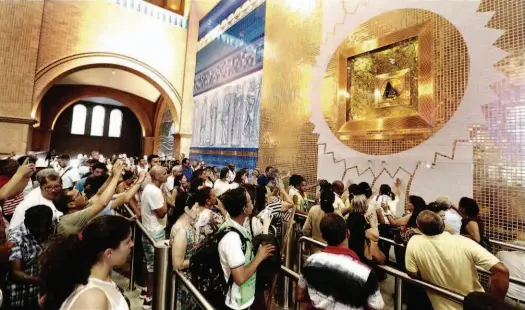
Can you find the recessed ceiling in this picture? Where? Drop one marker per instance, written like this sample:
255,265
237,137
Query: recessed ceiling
104,101
113,78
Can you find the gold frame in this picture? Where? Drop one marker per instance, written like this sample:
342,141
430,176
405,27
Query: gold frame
419,125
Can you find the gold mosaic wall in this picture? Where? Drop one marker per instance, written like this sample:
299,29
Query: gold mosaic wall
292,40
401,130
499,145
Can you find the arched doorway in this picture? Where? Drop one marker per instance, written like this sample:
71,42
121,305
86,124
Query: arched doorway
52,75
97,123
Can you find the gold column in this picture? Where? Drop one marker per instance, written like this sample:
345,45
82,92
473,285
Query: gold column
292,40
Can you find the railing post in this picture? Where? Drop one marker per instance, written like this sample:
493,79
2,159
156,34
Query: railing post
289,264
161,273
173,291
132,269
398,298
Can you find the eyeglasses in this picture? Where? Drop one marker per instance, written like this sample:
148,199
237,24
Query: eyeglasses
53,188
79,193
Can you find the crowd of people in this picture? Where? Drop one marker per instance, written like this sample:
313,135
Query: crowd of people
64,232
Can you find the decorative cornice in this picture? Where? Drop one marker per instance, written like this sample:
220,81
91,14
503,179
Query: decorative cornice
153,11
231,20
17,120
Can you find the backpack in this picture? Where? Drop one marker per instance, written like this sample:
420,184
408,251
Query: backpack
206,270
270,266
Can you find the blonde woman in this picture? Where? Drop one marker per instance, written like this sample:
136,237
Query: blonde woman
363,239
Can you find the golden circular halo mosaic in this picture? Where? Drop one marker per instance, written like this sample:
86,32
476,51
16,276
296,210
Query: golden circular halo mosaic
395,81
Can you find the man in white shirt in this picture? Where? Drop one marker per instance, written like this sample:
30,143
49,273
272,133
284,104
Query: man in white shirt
49,189
339,188
231,172
238,261
142,166
68,174
515,262
153,211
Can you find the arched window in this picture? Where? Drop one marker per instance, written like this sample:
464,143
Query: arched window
78,121
97,121
115,123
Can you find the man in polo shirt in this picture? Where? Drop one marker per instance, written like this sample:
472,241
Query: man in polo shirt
334,278
450,261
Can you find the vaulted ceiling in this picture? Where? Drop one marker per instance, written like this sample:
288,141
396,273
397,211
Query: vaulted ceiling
113,78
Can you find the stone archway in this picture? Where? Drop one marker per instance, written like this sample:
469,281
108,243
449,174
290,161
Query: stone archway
48,75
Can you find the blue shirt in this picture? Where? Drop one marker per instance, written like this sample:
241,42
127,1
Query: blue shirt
262,180
80,184
188,172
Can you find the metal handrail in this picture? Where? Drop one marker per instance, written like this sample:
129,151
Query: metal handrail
396,273
161,268
513,280
203,303
144,231
290,273
492,241
508,245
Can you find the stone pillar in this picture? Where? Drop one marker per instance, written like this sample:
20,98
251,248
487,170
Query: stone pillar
147,145
41,139
16,135
181,145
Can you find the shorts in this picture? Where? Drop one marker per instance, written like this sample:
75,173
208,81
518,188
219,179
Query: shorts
149,249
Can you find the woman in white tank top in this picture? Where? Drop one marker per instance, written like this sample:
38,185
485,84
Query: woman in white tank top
76,269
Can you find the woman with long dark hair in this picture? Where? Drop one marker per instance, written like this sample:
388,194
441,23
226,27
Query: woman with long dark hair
241,177
76,268
312,226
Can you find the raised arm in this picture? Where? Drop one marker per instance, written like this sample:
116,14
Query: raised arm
99,202
126,197
18,182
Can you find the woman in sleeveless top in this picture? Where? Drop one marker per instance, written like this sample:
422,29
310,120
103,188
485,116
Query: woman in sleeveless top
76,268
472,226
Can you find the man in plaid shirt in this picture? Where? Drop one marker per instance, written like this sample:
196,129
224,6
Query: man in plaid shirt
23,283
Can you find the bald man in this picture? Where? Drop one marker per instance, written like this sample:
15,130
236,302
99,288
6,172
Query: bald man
153,210
449,261
339,188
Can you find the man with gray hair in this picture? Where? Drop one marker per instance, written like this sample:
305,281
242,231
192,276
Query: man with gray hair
452,217
49,189
450,261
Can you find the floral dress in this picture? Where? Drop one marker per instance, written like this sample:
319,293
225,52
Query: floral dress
184,297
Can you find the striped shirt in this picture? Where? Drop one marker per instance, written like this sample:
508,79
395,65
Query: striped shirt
336,280
11,204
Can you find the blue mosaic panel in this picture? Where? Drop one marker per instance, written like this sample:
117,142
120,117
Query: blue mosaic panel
218,160
219,13
245,61
227,91
245,32
228,116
